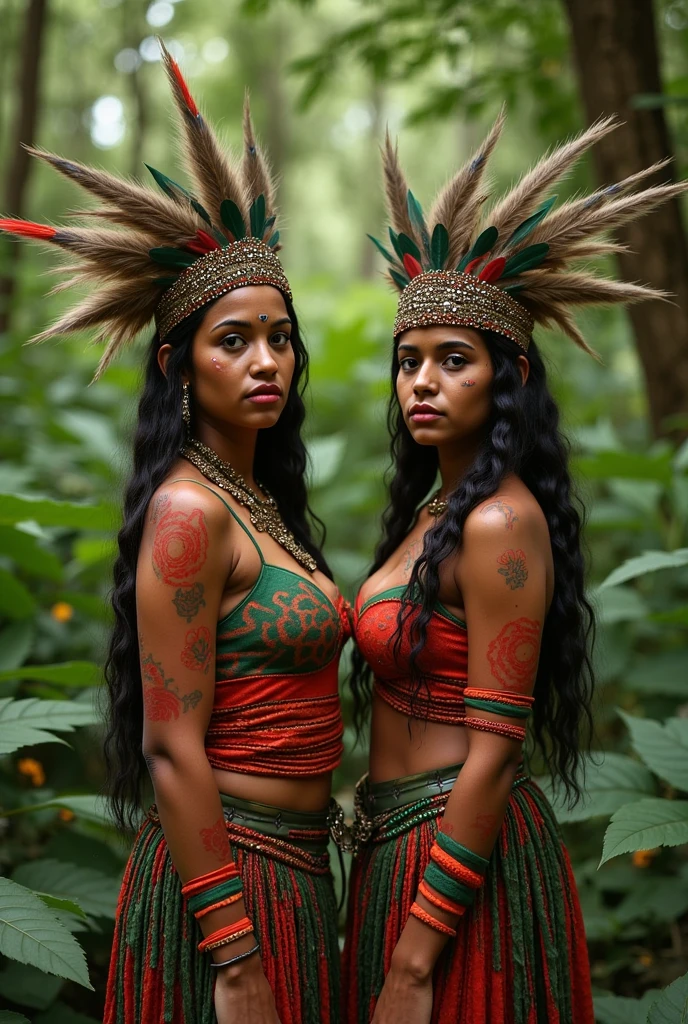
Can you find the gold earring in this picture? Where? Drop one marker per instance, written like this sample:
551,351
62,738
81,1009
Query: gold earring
186,406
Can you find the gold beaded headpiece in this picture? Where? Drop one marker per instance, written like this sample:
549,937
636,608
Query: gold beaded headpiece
179,250
518,264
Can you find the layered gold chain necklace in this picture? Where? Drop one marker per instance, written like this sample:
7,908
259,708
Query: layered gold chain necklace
263,511
437,506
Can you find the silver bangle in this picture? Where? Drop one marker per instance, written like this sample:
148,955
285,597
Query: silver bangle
235,959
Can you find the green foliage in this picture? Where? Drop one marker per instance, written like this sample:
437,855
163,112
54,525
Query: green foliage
25,723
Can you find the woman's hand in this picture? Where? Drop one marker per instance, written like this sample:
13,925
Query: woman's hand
406,997
242,993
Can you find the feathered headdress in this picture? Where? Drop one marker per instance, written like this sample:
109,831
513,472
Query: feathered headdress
178,250
516,265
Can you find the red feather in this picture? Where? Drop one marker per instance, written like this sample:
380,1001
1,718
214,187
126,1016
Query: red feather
188,98
493,270
206,239
197,247
474,263
413,267
27,229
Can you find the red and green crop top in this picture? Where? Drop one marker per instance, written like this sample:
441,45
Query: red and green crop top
443,661
276,708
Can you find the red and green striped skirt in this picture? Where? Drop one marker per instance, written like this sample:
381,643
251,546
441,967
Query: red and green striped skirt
520,955
156,972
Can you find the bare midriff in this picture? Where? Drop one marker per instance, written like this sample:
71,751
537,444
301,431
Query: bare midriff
301,794
394,753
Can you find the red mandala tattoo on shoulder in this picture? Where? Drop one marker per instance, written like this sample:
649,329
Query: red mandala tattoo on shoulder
513,569
180,546
513,654
215,839
507,511
197,649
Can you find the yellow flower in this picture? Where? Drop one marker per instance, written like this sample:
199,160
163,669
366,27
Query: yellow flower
66,815
645,959
62,612
32,769
643,858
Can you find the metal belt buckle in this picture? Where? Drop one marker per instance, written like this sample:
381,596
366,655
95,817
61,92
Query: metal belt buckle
341,833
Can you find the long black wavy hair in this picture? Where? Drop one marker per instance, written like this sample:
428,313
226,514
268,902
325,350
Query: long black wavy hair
522,437
280,464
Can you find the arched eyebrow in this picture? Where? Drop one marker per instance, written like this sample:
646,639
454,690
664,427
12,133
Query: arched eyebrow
247,323
405,346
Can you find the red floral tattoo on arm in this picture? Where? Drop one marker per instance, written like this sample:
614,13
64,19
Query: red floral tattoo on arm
484,825
513,654
162,700
198,649
215,840
180,546
513,568
506,510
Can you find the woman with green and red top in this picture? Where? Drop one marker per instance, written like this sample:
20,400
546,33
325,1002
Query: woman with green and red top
222,668
463,908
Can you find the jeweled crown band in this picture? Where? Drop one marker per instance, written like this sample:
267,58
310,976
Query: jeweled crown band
246,262
447,297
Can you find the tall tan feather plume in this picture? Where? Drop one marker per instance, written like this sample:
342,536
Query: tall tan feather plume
131,204
522,200
216,175
458,205
255,167
396,191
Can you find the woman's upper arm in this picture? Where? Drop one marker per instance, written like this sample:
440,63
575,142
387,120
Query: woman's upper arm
181,574
502,575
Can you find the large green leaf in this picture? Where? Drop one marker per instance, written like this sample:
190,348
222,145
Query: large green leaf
27,986
31,934
644,825
29,555
663,748
16,641
8,1017
69,673
664,673
18,509
626,465
649,561
620,1010
95,893
26,722
84,805
609,781
663,899
671,1007
619,604
16,601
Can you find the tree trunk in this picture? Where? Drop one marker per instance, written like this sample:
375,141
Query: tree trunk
615,47
25,126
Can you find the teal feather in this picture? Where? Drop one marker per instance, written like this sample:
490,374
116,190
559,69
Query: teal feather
527,259
415,212
166,256
395,245
439,247
165,282
513,289
274,239
407,245
170,188
268,224
524,229
257,216
220,238
482,245
385,252
232,219
398,279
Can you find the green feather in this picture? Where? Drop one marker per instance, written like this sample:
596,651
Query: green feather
395,245
232,219
439,247
257,216
219,238
385,252
268,224
170,188
274,239
407,245
165,282
168,257
527,259
482,245
524,229
513,289
415,212
398,279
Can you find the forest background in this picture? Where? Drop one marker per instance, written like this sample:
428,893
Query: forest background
81,78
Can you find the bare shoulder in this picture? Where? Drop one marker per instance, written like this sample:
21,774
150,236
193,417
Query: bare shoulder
511,514
179,502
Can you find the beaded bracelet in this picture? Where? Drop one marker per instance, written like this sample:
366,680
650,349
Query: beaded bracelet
454,870
444,904
439,926
202,902
203,882
514,732
218,906
447,886
230,933
235,959
499,702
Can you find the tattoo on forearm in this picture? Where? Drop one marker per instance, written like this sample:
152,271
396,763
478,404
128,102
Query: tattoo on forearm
411,556
513,654
189,600
162,700
180,546
484,824
198,649
513,568
506,510
215,839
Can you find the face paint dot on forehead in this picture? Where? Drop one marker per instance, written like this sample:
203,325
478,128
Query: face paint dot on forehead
263,317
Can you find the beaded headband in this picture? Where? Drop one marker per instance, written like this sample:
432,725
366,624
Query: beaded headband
179,250
519,264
